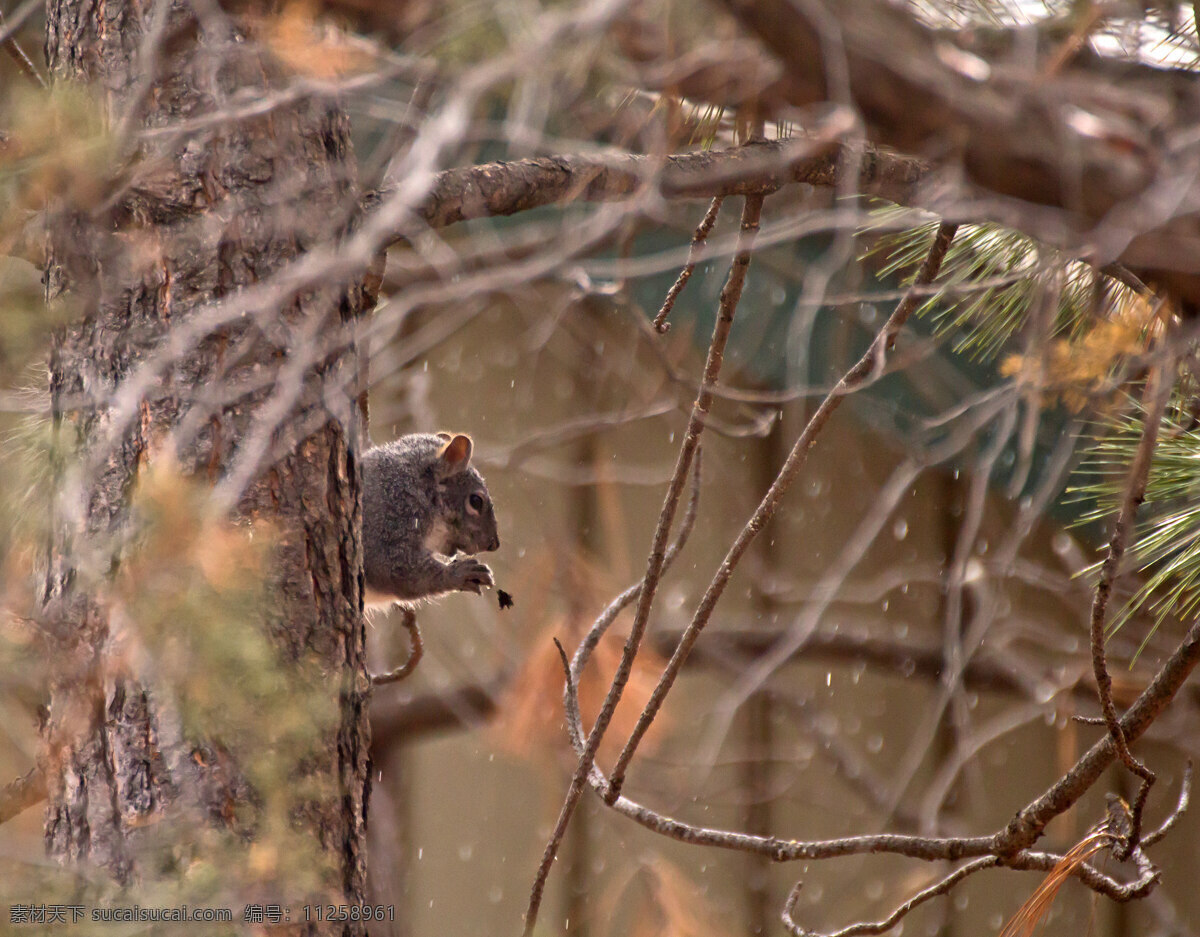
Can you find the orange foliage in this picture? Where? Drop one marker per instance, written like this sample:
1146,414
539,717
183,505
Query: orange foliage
186,537
308,48
670,906
531,712
1071,369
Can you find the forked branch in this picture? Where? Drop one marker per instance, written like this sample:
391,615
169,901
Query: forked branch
1008,847
870,364
1154,402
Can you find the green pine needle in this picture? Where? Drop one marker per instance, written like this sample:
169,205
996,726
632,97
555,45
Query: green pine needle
1166,543
990,279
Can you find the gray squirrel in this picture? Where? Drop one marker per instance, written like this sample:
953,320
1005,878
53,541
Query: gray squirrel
423,503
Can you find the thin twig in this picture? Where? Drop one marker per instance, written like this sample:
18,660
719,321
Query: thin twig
583,653
1010,844
1101,883
878,927
828,586
871,362
660,323
571,703
1028,824
516,454
416,651
1181,806
730,296
1154,402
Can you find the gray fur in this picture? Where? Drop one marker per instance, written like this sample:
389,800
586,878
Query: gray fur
419,527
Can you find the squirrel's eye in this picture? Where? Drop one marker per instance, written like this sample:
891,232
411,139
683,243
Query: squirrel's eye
476,502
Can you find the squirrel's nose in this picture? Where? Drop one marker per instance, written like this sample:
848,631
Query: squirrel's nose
495,544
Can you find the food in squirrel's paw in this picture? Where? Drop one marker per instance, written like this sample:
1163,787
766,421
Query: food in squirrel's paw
426,510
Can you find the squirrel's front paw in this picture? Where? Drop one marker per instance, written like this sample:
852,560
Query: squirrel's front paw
470,575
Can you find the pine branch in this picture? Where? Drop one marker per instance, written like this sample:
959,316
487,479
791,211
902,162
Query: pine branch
507,188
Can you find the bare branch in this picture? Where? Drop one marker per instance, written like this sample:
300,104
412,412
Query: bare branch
878,927
660,323
988,670
758,168
1028,824
866,366
1008,844
1089,875
1154,402
1185,793
397,719
604,621
571,701
730,297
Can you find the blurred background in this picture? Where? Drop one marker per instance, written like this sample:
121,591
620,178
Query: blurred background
903,649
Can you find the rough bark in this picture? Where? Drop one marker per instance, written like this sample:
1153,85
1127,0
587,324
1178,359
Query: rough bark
761,167
187,222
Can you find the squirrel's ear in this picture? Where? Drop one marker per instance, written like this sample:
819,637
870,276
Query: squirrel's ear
445,436
456,454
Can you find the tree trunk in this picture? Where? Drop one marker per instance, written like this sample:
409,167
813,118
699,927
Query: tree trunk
165,360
